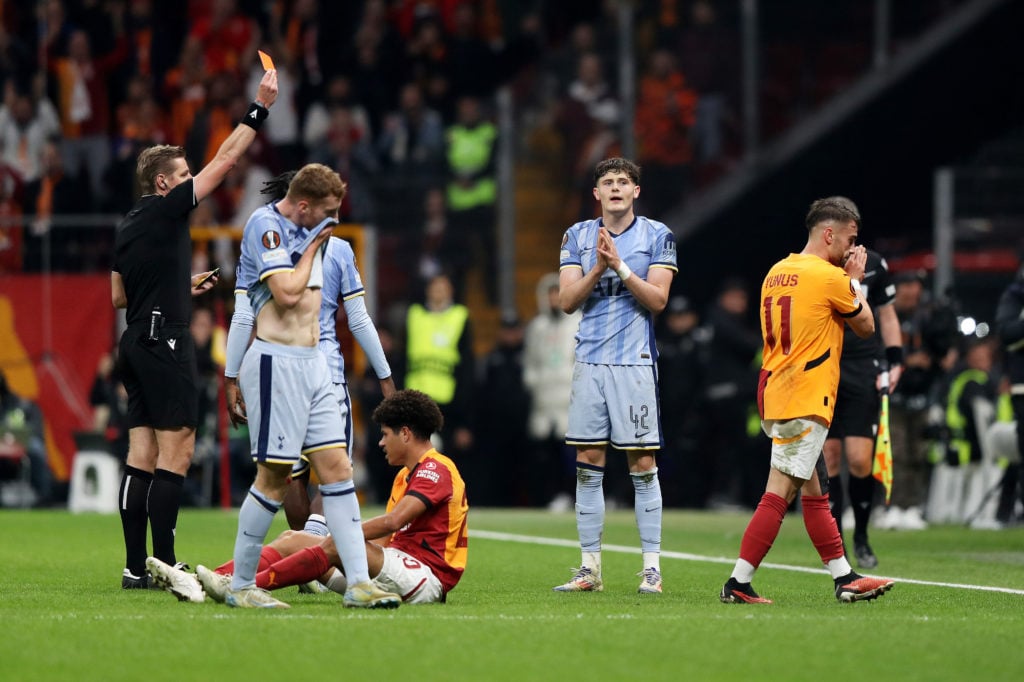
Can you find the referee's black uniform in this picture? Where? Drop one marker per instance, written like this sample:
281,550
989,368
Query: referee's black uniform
858,400
153,254
157,362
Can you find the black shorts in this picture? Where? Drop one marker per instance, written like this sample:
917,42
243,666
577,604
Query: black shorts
857,402
160,377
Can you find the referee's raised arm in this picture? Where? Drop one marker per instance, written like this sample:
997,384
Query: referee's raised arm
240,138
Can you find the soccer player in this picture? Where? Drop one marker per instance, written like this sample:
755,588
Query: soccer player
150,278
417,548
855,422
806,300
618,269
284,378
341,282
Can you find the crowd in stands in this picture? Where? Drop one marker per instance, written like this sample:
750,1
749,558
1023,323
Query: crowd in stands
397,96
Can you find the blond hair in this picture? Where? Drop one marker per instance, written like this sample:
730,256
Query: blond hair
154,161
315,182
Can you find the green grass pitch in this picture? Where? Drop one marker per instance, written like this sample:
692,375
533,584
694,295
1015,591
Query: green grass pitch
957,614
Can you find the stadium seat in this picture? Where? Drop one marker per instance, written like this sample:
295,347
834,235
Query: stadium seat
95,477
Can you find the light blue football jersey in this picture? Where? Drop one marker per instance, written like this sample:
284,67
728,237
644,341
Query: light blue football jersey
341,283
270,244
615,329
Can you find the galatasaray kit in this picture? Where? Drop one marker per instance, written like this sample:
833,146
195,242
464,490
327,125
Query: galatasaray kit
804,300
438,537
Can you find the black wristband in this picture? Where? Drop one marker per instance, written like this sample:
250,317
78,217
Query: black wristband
894,355
255,117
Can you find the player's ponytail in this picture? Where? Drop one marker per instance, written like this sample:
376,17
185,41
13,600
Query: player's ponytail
277,188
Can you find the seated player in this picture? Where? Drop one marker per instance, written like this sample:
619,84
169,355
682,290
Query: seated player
416,549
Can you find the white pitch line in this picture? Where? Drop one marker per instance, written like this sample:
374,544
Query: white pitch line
685,556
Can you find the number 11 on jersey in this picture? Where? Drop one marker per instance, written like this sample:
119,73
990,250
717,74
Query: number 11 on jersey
783,333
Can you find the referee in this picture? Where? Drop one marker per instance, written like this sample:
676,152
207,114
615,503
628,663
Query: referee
855,421
151,278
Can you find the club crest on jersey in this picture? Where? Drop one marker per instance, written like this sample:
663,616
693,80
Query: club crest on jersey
271,239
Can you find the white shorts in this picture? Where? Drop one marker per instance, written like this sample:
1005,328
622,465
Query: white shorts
291,402
345,407
409,577
615,404
796,445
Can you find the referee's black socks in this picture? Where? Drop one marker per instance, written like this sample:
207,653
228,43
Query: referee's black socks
132,503
835,499
164,501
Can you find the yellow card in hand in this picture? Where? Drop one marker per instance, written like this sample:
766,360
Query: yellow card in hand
268,63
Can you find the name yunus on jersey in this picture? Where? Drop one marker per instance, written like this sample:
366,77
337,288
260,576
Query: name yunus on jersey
439,536
271,244
615,328
804,300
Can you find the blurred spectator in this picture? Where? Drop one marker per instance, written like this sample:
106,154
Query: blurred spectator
52,196
349,151
185,87
375,74
22,439
435,224
1010,326
586,119
215,120
27,121
548,360
682,360
503,416
83,81
908,409
141,123
109,402
478,64
471,155
12,233
440,362
412,138
16,58
338,95
562,64
139,118
665,113
708,57
426,53
730,384
228,38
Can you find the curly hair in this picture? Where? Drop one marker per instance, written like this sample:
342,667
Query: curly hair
411,408
617,165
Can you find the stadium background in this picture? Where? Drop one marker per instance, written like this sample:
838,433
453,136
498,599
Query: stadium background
833,111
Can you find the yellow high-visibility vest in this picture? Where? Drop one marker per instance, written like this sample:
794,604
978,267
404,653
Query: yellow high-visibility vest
433,350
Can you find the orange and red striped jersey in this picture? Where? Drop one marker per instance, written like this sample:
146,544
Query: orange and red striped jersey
439,536
804,300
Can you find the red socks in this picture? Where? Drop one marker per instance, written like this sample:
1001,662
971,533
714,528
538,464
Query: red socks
763,528
821,527
301,567
268,555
